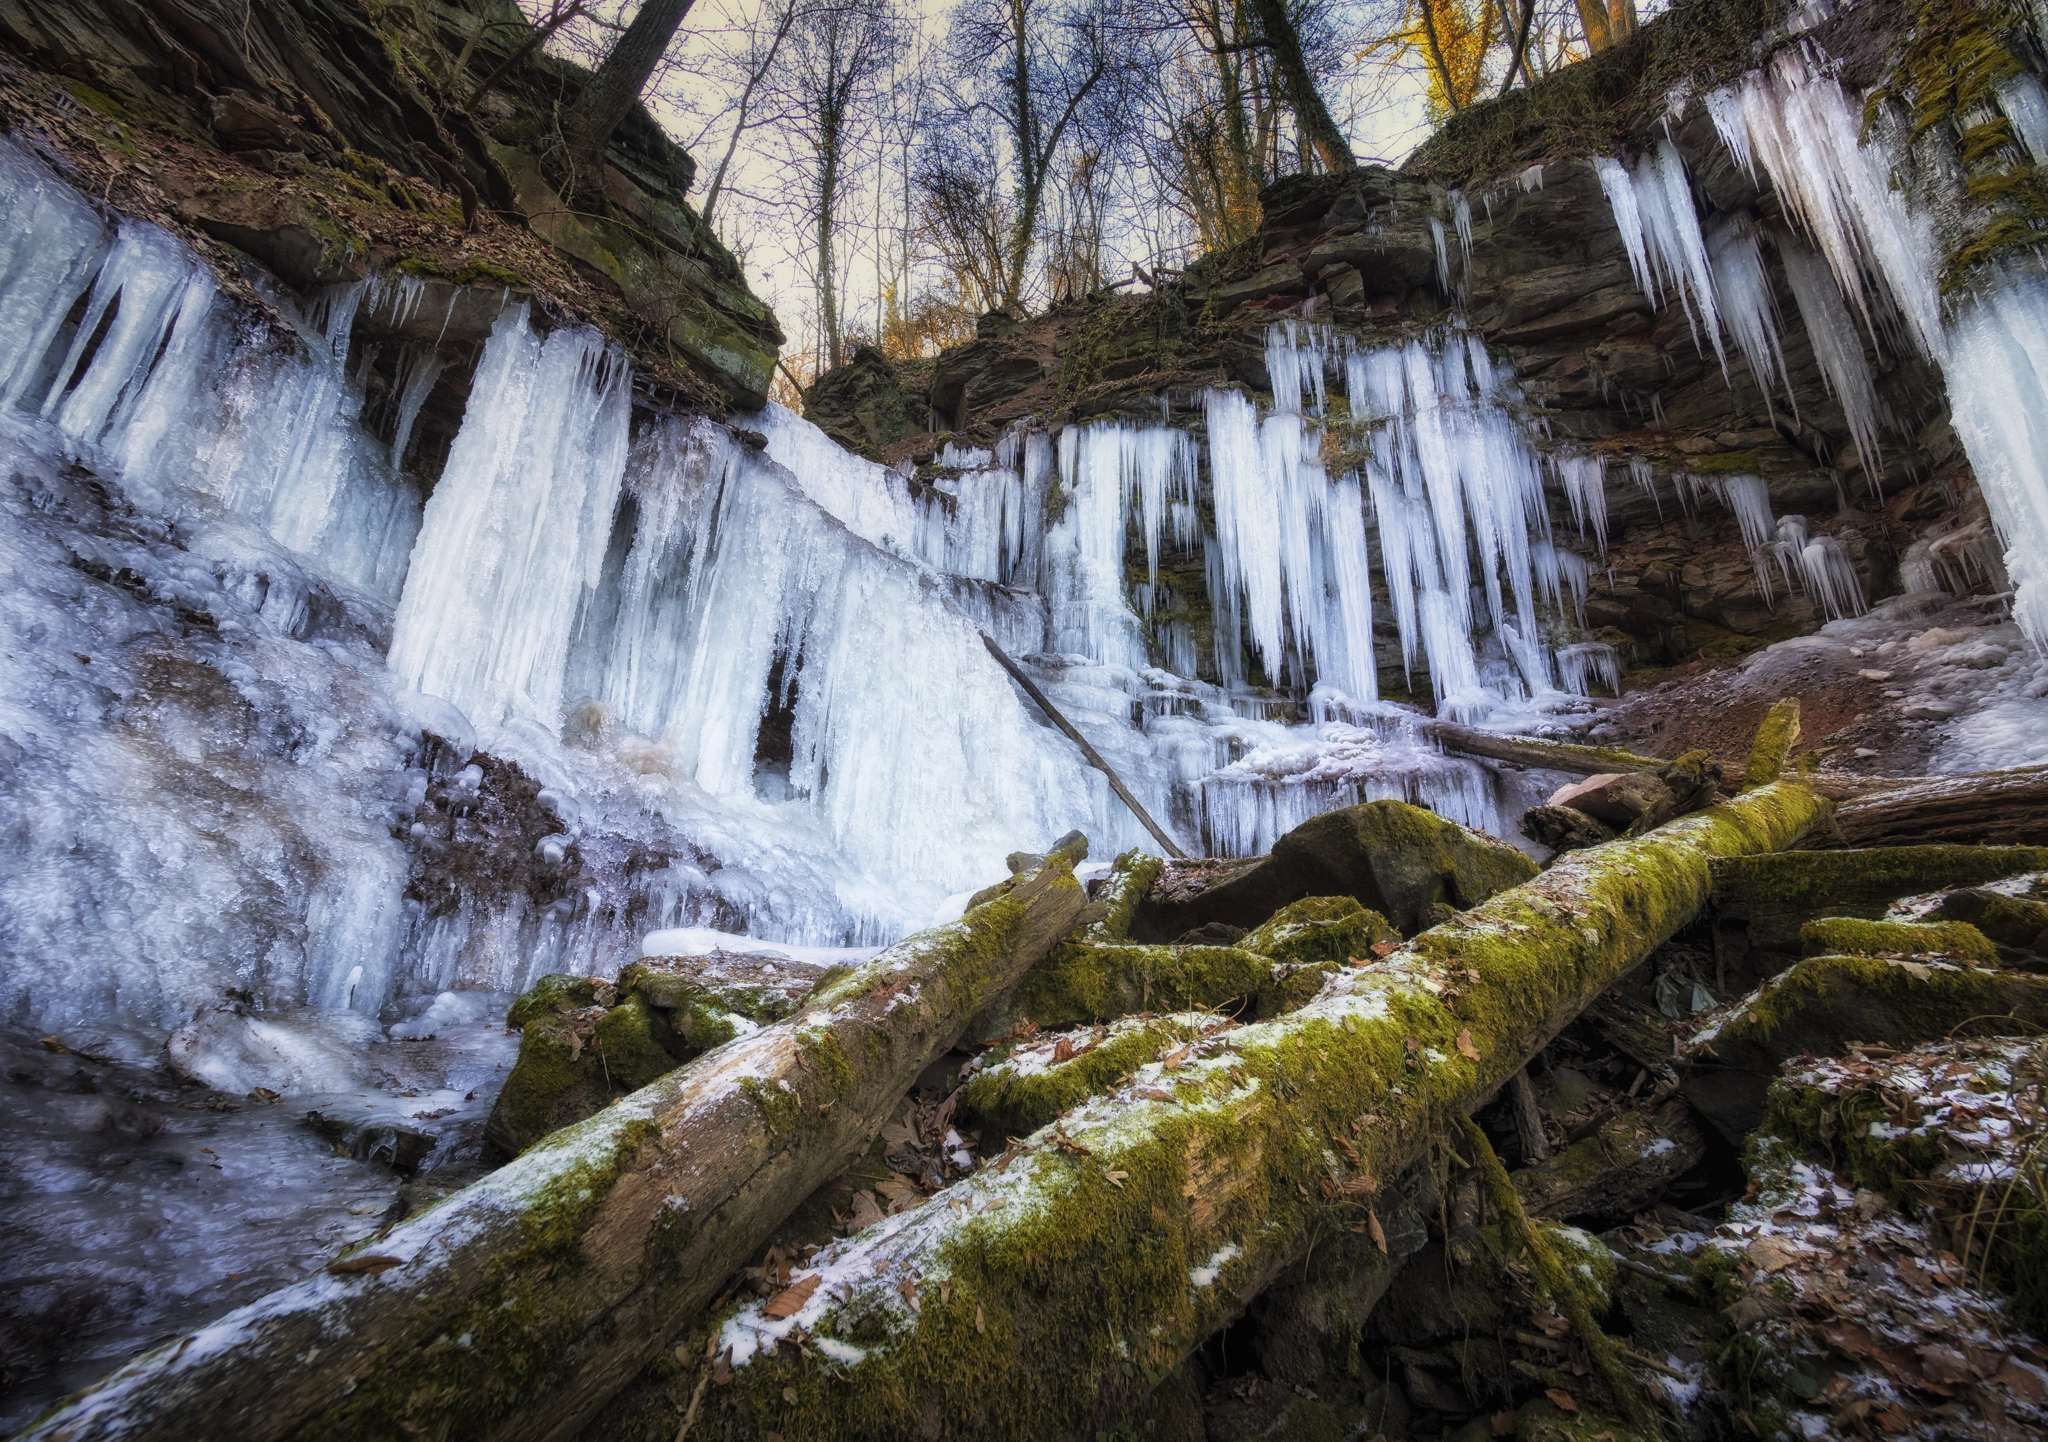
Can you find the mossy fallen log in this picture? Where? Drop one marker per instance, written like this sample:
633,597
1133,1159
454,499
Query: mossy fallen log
515,1308
1855,936
1772,896
1537,754
1044,1295
1774,741
1825,1003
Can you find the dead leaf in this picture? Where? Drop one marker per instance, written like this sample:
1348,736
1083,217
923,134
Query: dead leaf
946,1290
1063,1050
2024,1381
907,1289
1362,1186
1379,1236
1943,1363
789,1395
355,1266
980,1325
720,1372
1465,1047
1157,1094
790,1301
1384,948
1503,1423
866,1211
1116,1179
1770,1253
1562,1399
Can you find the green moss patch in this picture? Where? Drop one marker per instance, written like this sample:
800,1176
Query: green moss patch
1853,936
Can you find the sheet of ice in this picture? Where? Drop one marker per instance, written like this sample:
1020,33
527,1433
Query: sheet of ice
707,941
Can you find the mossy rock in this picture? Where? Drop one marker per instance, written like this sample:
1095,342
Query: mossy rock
1321,929
1824,1003
1022,1092
556,992
1398,860
574,1062
1853,936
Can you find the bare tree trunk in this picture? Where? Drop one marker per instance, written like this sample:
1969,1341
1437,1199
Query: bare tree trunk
1318,127
746,104
828,287
613,90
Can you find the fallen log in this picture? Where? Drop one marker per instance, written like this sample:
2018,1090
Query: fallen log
515,1308
1825,1003
1036,1297
1537,754
1990,808
1775,739
1772,897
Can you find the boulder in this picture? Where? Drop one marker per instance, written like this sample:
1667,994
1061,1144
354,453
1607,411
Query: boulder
1563,828
2013,921
1392,858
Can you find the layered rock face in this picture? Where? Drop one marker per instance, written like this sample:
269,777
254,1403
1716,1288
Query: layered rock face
327,140
1710,434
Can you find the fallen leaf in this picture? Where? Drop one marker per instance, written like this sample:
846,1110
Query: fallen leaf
1116,1179
790,1301
2025,1381
1465,1047
1943,1363
980,1325
1563,1399
720,1372
789,1395
1362,1186
1384,948
907,1289
1379,1236
1771,1253
1503,1424
354,1266
866,1211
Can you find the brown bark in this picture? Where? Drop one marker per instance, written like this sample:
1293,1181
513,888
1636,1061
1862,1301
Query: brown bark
1318,127
1539,755
517,1307
615,88
1991,808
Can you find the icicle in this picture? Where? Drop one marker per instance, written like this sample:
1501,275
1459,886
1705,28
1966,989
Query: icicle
1585,662
1660,228
518,525
1836,347
1645,476
2025,104
1585,485
1748,306
1443,256
418,370
1998,394
1724,108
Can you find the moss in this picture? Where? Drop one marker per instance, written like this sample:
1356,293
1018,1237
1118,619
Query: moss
782,1110
1062,1289
1089,981
1321,929
1774,741
544,1075
509,1343
473,271
1900,1003
1021,1102
1726,463
555,992
628,1046
1776,894
1853,936
1131,878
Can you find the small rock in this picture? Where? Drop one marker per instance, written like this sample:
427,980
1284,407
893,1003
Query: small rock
1615,798
1926,708
1875,675
1864,752
1981,657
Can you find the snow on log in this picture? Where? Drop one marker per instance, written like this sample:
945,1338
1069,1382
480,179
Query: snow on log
516,1307
1042,1295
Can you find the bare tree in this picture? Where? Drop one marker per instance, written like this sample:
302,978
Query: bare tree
764,43
836,54
966,216
612,92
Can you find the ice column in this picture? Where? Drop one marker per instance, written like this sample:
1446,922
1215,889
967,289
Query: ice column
515,533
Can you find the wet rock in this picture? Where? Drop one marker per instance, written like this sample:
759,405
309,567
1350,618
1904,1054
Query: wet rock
1321,929
399,1147
1393,858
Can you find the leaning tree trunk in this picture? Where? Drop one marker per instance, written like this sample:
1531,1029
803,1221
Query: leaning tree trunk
1044,1294
516,1307
588,124
1310,113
